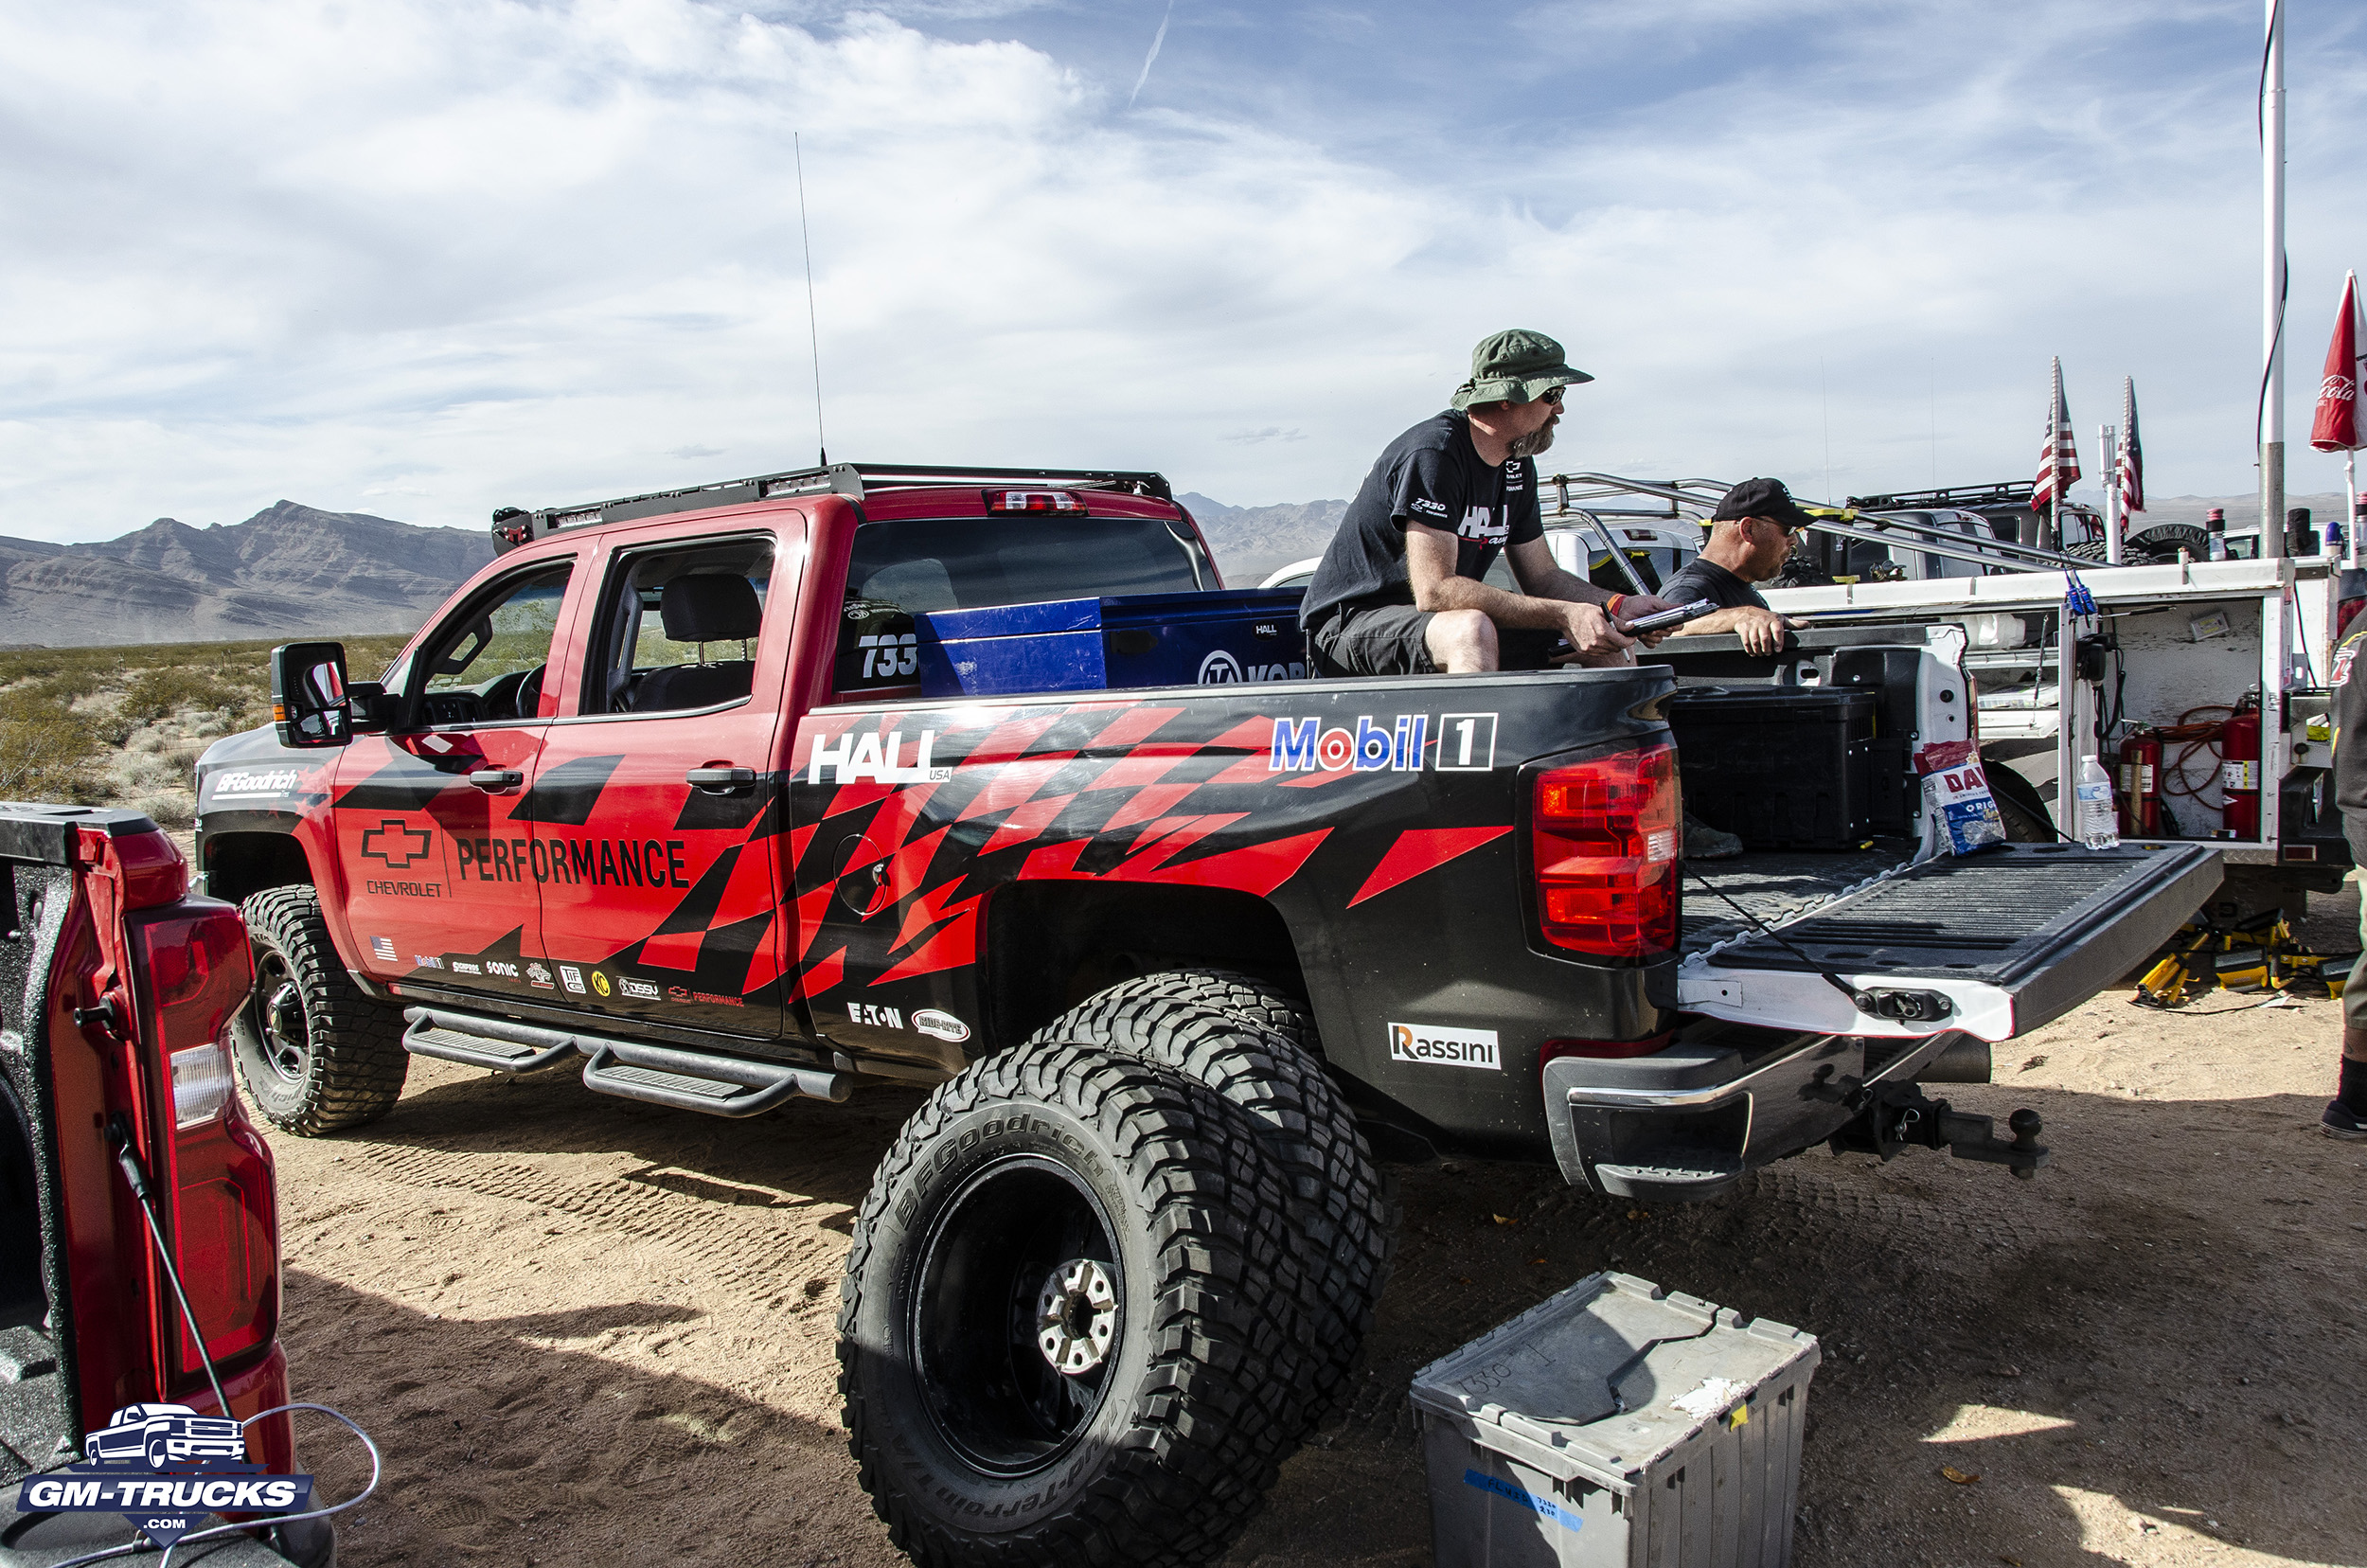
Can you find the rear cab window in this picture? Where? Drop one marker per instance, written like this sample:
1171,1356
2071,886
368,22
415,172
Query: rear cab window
901,568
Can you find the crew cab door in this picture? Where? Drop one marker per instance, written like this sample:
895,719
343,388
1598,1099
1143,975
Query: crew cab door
1995,944
439,881
655,807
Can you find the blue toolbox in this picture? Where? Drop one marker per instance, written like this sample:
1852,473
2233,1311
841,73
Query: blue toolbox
1114,644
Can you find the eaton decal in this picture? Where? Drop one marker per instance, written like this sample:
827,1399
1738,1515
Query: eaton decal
854,758
1433,1046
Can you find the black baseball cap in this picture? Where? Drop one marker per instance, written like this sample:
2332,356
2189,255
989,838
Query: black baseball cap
1762,498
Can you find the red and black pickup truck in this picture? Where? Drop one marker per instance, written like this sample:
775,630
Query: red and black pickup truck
116,989
658,795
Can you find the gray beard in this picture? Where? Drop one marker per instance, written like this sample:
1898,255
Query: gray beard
1530,445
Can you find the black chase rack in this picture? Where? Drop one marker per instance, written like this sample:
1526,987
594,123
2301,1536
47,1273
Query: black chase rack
516,525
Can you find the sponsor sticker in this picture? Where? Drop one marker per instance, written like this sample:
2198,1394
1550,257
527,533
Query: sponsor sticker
1467,742
462,966
538,977
940,1025
1436,1045
600,983
427,960
640,990
241,784
570,977
1397,744
379,889
382,949
1219,669
854,758
678,994
507,972
713,1000
164,1468
875,1017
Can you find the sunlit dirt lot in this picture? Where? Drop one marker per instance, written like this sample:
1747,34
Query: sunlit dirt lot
592,1331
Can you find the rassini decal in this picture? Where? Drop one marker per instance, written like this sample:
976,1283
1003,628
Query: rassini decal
1433,1046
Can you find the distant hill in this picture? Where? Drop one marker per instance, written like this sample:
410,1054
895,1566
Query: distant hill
289,570
1251,541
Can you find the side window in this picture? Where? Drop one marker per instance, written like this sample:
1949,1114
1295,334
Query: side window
484,666
678,627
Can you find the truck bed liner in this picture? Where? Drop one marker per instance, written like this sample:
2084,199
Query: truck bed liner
1775,885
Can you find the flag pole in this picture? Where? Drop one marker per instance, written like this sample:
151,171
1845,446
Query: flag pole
2272,287
2108,465
2350,458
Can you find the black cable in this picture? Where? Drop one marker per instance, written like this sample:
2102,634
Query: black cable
1768,932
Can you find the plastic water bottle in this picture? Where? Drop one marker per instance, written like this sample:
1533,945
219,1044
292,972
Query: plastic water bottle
2098,823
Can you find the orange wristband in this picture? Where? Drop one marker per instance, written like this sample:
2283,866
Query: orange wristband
1611,609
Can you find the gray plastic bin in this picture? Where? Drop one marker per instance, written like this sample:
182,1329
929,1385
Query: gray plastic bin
1558,1439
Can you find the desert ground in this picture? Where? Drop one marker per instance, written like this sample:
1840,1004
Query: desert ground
586,1330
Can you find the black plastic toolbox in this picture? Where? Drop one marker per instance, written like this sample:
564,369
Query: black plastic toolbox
1779,767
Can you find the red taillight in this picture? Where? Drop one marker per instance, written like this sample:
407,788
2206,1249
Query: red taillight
225,1233
1605,838
1034,501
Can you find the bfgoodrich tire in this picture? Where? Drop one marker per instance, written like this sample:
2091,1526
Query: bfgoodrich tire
1255,1045
316,1054
1070,1330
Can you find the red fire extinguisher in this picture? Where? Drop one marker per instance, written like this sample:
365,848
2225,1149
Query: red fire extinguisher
2141,785
2239,773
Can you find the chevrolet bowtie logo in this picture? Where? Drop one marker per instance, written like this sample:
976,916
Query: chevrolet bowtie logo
395,842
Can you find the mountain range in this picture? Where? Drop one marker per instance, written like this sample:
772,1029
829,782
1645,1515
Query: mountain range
289,570
293,570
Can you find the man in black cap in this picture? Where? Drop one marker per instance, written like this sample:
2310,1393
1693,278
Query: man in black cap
1750,536
1399,592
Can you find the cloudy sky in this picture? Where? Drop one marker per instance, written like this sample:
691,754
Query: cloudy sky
424,257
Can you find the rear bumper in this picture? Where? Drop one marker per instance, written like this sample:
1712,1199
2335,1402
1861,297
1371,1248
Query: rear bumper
1689,1122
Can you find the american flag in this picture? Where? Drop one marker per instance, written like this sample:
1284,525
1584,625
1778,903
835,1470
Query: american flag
2059,453
2132,467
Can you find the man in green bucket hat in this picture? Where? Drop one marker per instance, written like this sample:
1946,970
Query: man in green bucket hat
1399,592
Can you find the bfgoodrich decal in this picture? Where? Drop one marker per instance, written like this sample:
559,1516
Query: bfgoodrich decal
1435,1045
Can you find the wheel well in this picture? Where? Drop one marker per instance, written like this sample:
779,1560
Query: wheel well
238,864
1051,945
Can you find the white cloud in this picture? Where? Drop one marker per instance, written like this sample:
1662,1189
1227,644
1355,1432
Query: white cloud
508,253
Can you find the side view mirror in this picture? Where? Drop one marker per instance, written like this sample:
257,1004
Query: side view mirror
310,704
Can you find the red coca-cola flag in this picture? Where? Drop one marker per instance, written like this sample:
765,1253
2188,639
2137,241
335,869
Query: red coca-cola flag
2336,428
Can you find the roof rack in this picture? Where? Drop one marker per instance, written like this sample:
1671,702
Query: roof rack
2011,493
516,525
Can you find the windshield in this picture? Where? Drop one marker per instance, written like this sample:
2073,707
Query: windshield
908,567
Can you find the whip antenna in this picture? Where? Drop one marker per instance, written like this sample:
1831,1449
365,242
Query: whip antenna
813,330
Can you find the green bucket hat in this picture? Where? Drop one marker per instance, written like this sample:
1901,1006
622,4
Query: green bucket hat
1516,367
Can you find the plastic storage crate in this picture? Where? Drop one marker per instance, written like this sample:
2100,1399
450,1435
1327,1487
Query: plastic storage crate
1112,644
1780,767
1617,1425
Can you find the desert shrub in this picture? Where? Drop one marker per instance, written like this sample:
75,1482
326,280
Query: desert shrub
46,757
166,810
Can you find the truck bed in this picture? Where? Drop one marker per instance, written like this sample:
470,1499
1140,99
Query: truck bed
1774,885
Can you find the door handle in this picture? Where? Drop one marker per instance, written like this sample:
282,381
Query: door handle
720,780
495,781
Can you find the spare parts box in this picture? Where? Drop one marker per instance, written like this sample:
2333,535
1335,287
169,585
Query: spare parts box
1779,767
1617,1425
1096,644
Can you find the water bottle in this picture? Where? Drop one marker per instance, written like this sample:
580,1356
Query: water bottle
2097,822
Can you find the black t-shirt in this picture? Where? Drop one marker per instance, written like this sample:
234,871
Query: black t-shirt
1432,475
1705,579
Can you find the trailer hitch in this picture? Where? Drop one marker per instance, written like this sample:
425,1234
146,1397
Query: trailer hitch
1900,1118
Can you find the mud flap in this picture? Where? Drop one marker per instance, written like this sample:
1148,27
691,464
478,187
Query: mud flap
1994,944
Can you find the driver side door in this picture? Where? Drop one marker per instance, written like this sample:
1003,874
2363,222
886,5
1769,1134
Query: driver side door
440,884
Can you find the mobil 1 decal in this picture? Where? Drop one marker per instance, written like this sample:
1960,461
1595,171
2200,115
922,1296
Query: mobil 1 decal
1402,743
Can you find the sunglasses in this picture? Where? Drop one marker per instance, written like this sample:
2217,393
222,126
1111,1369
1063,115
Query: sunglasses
1553,397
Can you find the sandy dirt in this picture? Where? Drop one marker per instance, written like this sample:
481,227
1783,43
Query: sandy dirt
592,1331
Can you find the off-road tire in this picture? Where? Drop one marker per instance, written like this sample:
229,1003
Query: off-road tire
349,1065
1255,1045
1200,1393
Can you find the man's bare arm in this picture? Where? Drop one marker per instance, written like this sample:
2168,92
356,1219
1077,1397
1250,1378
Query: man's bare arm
1761,631
1429,560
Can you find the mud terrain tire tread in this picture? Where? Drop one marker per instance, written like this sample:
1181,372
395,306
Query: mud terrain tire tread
1257,1045
356,1043
1213,1415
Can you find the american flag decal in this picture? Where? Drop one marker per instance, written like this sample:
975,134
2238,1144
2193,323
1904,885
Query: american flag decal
382,947
2058,452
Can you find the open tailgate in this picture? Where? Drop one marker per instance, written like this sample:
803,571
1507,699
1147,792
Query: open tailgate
2012,938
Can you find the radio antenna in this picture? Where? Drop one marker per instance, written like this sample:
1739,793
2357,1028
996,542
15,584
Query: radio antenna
813,330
